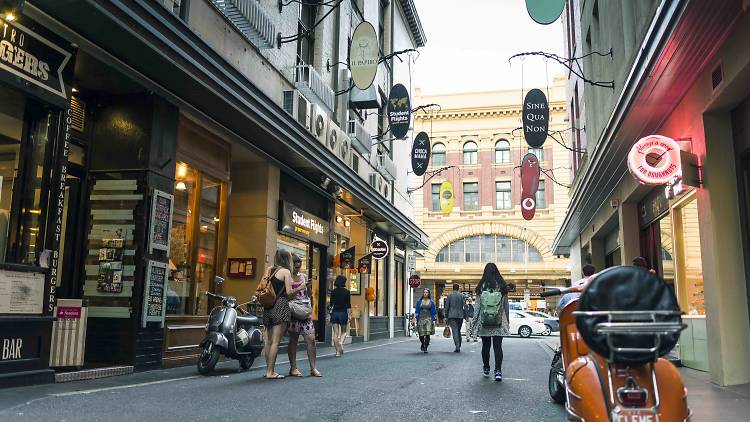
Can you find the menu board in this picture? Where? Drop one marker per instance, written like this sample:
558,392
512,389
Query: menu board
161,221
155,292
21,292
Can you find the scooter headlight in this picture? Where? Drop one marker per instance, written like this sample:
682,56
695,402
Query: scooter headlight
231,301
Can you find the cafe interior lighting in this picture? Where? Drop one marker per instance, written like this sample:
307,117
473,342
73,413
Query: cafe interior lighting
180,186
10,17
347,223
181,171
339,219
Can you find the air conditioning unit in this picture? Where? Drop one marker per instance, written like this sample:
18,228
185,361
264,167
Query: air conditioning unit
345,150
377,182
334,138
297,105
319,124
386,191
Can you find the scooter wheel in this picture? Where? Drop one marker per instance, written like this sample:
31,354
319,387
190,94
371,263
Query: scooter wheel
556,389
208,359
246,362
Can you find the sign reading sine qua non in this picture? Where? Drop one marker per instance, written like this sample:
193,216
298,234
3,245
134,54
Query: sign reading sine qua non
535,118
379,249
420,154
399,111
364,53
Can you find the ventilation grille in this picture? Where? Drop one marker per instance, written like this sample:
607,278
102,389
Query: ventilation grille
250,19
77,114
717,76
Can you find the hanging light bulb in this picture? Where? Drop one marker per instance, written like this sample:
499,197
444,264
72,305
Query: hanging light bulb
180,186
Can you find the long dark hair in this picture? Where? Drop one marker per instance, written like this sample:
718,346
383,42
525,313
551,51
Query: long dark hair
492,280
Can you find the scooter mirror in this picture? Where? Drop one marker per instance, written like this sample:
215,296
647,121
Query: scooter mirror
218,280
254,299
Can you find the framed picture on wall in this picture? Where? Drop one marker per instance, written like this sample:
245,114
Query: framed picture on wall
241,267
355,283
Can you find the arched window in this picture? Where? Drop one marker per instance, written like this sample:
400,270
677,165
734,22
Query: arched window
470,153
438,154
502,151
489,248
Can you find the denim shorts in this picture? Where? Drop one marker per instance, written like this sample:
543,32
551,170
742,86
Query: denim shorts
339,317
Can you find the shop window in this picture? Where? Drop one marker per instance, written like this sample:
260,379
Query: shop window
438,155
471,196
489,248
502,152
539,152
541,198
503,196
690,287
435,197
470,153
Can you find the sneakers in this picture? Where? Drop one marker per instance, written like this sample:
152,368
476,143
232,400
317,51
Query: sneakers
498,375
486,371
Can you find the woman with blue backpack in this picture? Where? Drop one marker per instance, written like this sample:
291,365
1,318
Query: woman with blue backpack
491,317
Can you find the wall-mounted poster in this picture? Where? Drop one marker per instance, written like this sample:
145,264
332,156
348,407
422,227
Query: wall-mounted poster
155,293
159,234
355,284
21,292
241,267
110,265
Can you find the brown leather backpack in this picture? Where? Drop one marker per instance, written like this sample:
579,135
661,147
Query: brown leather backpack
265,293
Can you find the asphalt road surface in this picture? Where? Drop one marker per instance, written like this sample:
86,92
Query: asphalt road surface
390,381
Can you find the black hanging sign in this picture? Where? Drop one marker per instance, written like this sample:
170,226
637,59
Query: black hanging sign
346,258
420,154
535,118
399,111
365,263
379,249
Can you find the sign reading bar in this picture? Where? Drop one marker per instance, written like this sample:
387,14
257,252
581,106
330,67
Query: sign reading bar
155,293
379,249
655,160
535,118
21,292
399,111
302,223
161,221
420,153
545,12
364,53
33,58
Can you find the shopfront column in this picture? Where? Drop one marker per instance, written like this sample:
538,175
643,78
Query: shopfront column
723,262
630,246
391,285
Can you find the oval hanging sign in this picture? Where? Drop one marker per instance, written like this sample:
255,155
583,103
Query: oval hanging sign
399,111
379,249
530,172
545,12
528,206
535,118
655,160
364,53
446,197
420,153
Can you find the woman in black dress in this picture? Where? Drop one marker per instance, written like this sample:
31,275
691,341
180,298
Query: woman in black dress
341,303
276,318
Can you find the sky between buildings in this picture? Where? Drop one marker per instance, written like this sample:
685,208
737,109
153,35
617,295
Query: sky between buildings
469,43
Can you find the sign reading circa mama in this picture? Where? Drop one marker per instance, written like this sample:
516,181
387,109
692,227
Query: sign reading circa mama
302,223
28,55
420,154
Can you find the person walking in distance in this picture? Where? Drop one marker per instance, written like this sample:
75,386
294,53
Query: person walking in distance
455,312
491,317
588,271
276,318
426,313
341,301
306,328
470,321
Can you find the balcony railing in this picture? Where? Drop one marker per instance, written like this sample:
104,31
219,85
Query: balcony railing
250,19
361,138
311,84
387,167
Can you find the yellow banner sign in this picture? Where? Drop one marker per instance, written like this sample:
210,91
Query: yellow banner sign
446,197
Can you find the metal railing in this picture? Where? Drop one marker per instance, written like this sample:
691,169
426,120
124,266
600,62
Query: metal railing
311,84
361,137
250,19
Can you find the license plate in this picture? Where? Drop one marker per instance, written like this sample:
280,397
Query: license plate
634,415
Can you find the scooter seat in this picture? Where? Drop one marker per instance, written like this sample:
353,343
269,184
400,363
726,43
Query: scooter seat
248,320
629,315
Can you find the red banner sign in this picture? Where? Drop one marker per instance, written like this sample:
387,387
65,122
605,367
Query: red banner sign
529,185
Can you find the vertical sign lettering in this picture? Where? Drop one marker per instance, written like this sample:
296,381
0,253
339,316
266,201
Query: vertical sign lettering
535,118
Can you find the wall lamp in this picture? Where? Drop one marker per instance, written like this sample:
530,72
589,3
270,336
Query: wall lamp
11,9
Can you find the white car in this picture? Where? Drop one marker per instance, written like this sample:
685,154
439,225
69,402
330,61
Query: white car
551,323
525,325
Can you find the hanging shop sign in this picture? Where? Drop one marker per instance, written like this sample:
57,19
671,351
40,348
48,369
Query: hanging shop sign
655,160
530,173
33,58
364,264
545,12
528,206
399,111
535,118
379,249
415,281
420,153
303,224
346,258
364,53
446,197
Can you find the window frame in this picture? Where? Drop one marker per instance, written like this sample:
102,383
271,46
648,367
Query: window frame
442,153
473,154
476,206
505,159
540,196
509,191
432,196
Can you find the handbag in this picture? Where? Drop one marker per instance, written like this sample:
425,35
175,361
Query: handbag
301,309
265,293
447,331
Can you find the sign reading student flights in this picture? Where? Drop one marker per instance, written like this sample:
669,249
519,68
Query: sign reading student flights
535,118
529,185
545,12
446,197
364,53
399,111
420,154
655,160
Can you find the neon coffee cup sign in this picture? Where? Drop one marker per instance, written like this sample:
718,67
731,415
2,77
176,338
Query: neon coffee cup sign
655,160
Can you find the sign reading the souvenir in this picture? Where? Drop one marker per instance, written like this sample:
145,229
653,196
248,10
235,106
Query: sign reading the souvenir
446,197
399,111
415,281
655,160
545,12
346,258
379,249
302,223
530,172
535,118
420,154
364,53
33,58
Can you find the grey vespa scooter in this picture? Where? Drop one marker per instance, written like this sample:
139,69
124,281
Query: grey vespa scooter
230,334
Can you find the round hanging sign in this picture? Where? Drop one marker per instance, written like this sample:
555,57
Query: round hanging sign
420,153
379,249
655,160
545,12
446,197
399,111
364,53
530,173
415,281
535,118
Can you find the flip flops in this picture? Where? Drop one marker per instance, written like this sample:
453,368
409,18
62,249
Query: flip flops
275,376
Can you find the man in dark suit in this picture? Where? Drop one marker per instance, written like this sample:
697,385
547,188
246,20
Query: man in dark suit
455,312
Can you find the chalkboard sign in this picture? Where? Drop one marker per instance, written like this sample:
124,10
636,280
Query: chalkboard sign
161,221
155,293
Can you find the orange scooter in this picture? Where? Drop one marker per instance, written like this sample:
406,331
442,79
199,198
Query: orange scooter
609,366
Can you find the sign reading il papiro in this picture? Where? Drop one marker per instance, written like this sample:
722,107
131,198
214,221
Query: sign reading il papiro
420,154
535,118
399,111
364,53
